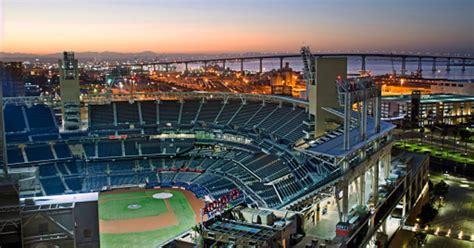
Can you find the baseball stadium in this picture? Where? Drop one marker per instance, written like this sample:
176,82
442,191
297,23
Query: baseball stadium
148,169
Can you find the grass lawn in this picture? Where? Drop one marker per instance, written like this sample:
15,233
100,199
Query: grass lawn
117,209
436,152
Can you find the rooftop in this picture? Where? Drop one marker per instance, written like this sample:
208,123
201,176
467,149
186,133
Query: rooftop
334,147
431,98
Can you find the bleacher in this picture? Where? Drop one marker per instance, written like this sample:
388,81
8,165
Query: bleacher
17,138
40,117
39,153
14,119
148,112
101,115
127,112
62,150
245,113
110,149
169,112
190,110
52,185
209,110
15,155
108,162
74,183
228,111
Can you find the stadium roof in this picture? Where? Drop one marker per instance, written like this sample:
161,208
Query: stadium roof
334,147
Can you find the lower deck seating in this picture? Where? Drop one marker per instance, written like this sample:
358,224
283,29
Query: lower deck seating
53,185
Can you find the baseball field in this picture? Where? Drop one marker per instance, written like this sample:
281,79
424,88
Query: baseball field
145,218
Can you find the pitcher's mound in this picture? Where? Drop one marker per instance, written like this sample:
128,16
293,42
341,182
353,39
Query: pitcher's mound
134,206
163,195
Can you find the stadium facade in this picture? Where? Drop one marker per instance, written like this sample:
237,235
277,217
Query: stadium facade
280,153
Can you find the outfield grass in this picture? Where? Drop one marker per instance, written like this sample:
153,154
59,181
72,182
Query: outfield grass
436,152
181,208
117,209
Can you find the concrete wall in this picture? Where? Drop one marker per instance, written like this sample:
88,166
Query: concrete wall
87,225
324,93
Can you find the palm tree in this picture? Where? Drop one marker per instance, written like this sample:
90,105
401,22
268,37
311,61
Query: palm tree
464,134
455,134
444,133
422,131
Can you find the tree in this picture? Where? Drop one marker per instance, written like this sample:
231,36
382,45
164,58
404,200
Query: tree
465,135
444,133
420,238
440,189
427,214
455,134
422,131
430,185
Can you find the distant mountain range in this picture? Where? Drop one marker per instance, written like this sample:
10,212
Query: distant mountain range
112,56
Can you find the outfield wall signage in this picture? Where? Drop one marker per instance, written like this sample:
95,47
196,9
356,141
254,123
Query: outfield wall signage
224,202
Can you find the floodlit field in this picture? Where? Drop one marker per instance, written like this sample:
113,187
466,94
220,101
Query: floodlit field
133,218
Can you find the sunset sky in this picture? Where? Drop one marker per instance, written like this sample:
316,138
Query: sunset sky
207,26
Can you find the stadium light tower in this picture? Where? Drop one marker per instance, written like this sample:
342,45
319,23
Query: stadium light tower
70,92
359,91
309,70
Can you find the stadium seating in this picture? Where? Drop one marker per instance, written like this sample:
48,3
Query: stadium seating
53,185
130,148
17,138
190,110
261,114
40,116
110,148
74,183
101,115
47,170
169,112
89,149
245,113
148,109
14,155
14,119
136,159
209,110
127,112
62,150
228,111
39,153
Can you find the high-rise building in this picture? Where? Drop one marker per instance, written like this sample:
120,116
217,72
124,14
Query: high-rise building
12,79
415,108
70,92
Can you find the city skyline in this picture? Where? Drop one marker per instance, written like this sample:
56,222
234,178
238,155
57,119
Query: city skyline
217,26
